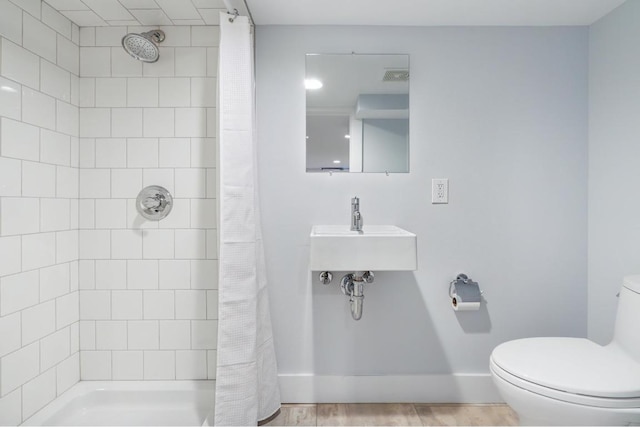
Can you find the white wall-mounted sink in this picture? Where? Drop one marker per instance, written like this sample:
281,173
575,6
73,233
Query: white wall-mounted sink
376,248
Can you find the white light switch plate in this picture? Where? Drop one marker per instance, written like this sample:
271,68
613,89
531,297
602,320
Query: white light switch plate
439,190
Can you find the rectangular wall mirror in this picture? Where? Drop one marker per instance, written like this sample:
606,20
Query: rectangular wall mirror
357,113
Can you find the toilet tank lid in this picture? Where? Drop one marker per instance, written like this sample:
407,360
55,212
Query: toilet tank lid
632,283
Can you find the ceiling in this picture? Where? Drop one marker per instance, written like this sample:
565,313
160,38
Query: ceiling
430,12
95,13
338,12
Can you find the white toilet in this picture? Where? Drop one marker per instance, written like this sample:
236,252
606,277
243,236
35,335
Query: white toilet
574,381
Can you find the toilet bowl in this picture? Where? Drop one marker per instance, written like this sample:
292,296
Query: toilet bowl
574,381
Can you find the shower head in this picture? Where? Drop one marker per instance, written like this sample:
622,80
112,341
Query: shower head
143,46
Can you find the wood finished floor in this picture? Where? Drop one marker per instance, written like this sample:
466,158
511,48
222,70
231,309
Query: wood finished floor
394,414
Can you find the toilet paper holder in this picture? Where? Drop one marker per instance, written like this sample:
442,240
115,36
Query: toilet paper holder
465,293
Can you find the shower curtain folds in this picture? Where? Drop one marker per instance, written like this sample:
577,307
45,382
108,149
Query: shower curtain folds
246,380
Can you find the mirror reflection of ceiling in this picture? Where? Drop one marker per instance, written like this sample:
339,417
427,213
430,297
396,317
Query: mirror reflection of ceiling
345,77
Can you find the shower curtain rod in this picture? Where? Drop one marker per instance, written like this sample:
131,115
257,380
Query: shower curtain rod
236,8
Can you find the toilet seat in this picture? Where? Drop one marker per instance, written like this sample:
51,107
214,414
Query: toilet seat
573,370
578,399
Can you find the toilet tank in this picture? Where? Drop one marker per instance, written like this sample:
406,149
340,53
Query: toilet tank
628,318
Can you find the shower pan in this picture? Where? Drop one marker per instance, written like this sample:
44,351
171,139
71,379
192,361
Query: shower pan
129,403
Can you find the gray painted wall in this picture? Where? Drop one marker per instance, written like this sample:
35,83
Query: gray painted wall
502,113
614,151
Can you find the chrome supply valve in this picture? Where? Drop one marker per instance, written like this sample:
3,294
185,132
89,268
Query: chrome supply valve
325,277
368,276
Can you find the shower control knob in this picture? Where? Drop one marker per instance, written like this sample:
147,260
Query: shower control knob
368,277
154,202
325,277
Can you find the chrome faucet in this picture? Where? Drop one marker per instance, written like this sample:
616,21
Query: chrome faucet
356,217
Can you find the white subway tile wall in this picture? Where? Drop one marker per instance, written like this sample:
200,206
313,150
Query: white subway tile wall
148,290
39,145
88,288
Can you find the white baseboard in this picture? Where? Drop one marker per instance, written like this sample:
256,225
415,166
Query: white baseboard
452,388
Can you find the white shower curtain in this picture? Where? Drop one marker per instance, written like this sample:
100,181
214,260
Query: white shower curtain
246,380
